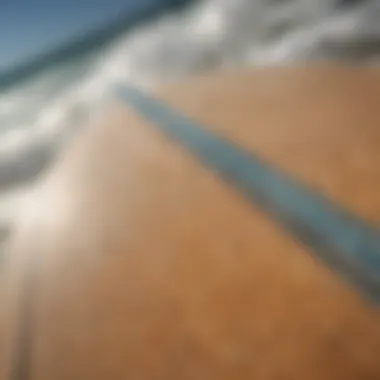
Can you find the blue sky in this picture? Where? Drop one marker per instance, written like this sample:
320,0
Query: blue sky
27,27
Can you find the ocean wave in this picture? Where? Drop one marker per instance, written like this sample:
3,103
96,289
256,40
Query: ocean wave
38,117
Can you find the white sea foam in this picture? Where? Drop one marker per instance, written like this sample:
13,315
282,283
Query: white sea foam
35,118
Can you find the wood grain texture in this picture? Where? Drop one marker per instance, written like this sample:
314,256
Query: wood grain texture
151,267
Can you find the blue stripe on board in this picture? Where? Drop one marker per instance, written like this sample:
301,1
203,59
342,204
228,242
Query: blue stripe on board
347,243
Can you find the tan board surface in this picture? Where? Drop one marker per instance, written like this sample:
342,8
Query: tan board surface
15,270
320,125
151,267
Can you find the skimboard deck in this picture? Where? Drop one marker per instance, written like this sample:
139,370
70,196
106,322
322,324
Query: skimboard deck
152,267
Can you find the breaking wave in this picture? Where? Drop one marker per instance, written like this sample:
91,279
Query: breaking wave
36,118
